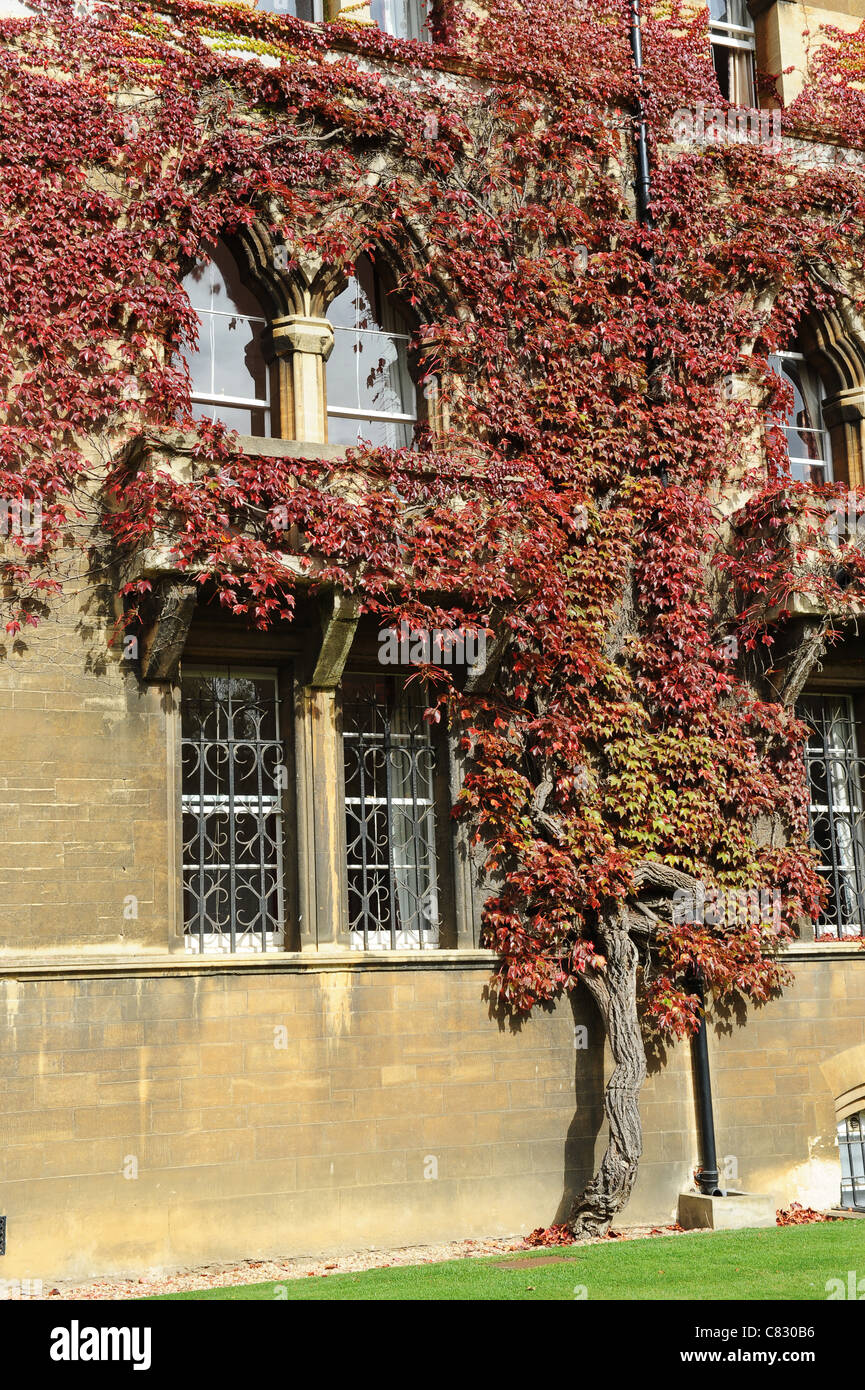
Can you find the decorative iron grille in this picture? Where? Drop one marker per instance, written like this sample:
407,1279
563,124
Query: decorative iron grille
390,816
851,1145
835,813
232,779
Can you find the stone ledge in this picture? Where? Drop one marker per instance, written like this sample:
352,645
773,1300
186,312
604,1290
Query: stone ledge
825,950
98,964
287,962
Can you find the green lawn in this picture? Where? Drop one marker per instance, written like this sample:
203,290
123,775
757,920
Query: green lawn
791,1262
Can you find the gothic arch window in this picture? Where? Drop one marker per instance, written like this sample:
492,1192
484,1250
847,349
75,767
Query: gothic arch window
731,31
229,370
370,392
809,443
825,367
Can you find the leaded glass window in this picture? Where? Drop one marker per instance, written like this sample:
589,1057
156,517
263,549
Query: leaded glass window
233,776
389,763
836,813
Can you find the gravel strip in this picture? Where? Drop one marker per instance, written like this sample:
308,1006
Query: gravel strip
215,1276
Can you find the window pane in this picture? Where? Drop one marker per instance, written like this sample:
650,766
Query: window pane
390,816
238,359
808,442
734,70
730,12
251,422
232,812
404,19
365,372
383,434
368,371
300,9
363,303
216,285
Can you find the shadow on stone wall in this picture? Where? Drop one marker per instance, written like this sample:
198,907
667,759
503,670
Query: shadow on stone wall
581,1144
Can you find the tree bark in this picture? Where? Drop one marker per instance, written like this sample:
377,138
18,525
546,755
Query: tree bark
810,650
615,992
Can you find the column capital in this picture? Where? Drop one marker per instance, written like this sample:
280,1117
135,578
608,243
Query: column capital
297,333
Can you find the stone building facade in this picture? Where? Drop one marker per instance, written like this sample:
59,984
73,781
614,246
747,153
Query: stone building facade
308,1058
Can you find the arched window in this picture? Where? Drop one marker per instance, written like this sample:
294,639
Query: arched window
230,377
808,441
731,31
851,1146
370,393
404,19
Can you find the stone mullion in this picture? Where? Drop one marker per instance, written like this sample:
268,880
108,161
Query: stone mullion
303,345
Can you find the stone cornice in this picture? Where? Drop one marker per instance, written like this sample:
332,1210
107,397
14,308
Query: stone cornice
153,964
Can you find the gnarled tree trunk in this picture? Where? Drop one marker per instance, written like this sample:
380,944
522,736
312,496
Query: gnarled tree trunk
615,992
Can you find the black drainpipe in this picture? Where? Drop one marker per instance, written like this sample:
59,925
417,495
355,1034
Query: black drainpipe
707,1175
644,182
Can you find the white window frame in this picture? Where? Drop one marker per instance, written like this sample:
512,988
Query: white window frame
417,12
282,7
822,431
349,412
741,39
400,342
213,399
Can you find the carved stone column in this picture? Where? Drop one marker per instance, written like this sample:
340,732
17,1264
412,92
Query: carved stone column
305,344
323,910
321,791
